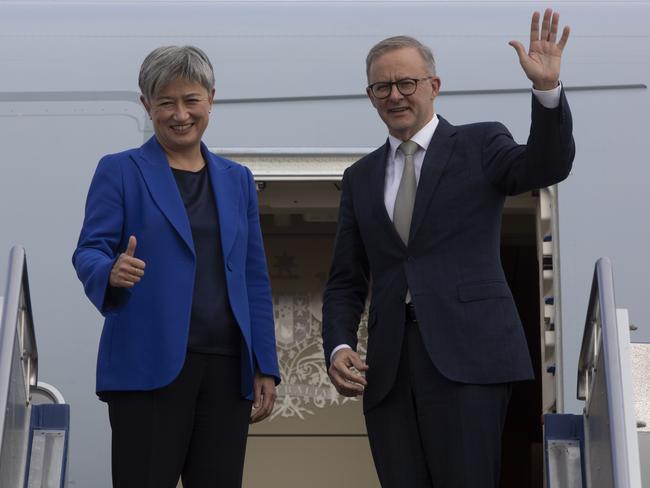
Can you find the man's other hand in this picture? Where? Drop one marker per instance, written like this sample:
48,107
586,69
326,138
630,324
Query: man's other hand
345,372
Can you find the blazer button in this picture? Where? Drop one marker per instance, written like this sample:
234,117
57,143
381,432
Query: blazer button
229,266
410,259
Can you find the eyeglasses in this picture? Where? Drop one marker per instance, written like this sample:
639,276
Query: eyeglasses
405,86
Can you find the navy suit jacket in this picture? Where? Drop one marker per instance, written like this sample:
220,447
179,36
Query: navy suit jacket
451,265
144,339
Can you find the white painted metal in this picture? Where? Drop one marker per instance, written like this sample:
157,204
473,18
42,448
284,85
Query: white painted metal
46,460
605,383
564,464
44,393
18,371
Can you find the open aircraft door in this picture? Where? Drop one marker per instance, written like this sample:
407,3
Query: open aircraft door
312,428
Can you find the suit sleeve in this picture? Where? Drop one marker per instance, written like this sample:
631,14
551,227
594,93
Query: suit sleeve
100,238
347,286
259,291
545,160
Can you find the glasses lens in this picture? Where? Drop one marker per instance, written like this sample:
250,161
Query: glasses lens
381,90
407,87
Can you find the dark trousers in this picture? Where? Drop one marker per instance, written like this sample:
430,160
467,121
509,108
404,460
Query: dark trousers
433,432
194,428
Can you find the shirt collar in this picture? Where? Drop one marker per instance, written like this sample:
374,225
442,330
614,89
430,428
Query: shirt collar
421,137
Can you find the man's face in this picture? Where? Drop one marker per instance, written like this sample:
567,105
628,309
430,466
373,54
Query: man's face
403,115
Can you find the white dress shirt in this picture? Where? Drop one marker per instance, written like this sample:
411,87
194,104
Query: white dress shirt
395,162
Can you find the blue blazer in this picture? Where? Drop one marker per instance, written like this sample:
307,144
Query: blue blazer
144,339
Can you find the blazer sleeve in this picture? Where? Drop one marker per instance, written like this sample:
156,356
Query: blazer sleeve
347,286
100,237
545,160
259,291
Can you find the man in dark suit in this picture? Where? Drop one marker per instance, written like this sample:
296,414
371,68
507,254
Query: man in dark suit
420,219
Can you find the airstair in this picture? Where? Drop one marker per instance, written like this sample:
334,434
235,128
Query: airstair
34,419
601,447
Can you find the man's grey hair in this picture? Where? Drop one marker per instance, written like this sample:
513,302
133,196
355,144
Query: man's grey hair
400,42
169,63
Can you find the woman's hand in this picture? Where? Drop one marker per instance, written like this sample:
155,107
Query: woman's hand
264,387
127,270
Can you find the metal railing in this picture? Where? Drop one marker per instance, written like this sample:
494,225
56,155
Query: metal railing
557,297
18,370
605,384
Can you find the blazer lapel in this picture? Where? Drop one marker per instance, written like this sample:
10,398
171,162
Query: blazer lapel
377,185
227,193
158,176
435,161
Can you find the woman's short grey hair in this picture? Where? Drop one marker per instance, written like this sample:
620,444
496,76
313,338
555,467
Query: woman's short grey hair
400,42
169,63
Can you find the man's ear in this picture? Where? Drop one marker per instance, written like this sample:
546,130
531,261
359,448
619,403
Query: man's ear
371,97
436,83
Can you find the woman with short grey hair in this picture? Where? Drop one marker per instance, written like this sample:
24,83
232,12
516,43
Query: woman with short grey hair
171,253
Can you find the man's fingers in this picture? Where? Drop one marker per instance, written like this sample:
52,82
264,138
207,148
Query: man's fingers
358,363
534,27
554,23
565,37
346,383
349,389
130,249
519,47
546,24
343,363
346,374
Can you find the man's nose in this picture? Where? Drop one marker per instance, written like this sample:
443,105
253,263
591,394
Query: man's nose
395,93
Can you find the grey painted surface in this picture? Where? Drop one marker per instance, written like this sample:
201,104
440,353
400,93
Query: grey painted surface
644,452
49,150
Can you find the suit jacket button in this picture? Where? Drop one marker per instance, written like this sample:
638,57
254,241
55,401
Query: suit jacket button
410,259
229,266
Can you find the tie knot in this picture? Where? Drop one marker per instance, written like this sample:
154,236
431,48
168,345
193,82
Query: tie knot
408,148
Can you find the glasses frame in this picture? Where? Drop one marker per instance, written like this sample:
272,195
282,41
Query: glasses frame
396,83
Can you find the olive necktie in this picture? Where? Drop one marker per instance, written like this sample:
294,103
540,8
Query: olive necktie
405,199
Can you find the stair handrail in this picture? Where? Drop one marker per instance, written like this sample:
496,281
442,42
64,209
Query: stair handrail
603,335
16,323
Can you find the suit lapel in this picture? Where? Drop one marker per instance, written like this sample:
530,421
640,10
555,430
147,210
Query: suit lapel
377,186
435,161
158,176
227,193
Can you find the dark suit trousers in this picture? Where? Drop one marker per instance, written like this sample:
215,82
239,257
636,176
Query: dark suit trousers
196,427
433,432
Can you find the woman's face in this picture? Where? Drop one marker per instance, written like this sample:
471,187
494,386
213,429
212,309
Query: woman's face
180,112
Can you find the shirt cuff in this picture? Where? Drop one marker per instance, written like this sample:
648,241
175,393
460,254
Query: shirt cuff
549,98
337,349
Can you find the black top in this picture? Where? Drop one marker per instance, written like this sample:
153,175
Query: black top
213,329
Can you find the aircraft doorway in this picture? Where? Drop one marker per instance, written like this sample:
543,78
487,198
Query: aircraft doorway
317,438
